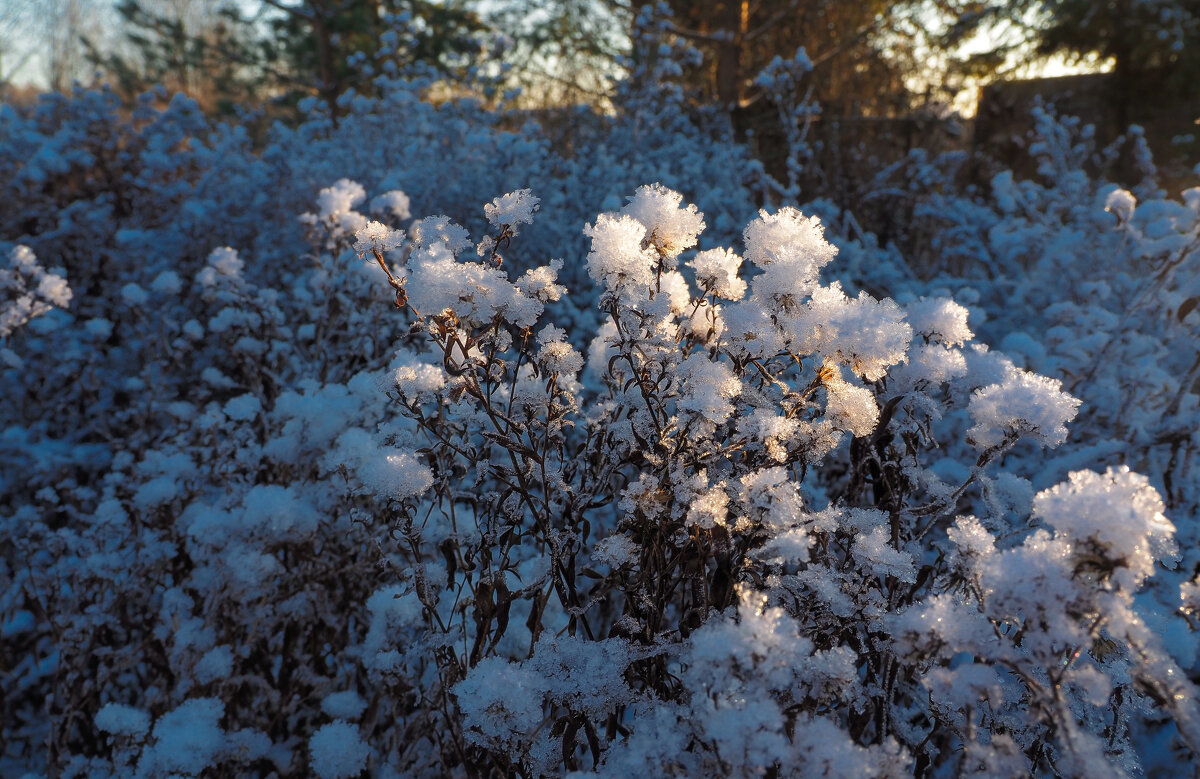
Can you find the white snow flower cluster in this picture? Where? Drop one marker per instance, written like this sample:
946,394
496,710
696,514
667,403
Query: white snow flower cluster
556,354
224,266
28,290
337,751
1120,203
717,273
670,227
377,237
394,203
1116,516
336,206
512,210
791,249
1021,403
344,226
617,258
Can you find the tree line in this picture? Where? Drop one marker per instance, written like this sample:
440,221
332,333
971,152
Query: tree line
868,58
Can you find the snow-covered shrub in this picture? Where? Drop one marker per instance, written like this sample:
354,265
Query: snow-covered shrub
1083,281
656,578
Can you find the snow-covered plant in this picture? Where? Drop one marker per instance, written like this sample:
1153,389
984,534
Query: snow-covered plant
782,81
670,576
29,291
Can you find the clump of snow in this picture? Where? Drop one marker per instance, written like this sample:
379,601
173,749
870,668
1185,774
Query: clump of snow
939,320
616,258
346,705
556,354
849,407
866,334
511,210
396,475
717,273
394,203
337,751
223,263
122,720
791,243
708,388
1120,203
27,290
1023,403
539,283
972,541
1118,514
438,282
187,740
875,549
377,237
342,197
215,665
772,430
615,550
670,226
167,283
709,507
243,407
419,380
434,230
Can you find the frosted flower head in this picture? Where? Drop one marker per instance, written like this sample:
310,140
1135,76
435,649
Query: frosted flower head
166,283
337,751
709,507
708,388
18,302
717,273
439,229
769,496
224,264
675,288
849,407
1118,514
972,541
1120,203
225,261
377,237
772,430
556,354
511,210
346,704
396,475
21,259
54,290
342,197
790,238
122,720
419,381
670,226
941,320
394,203
863,333
539,283
617,258
1023,403
436,281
